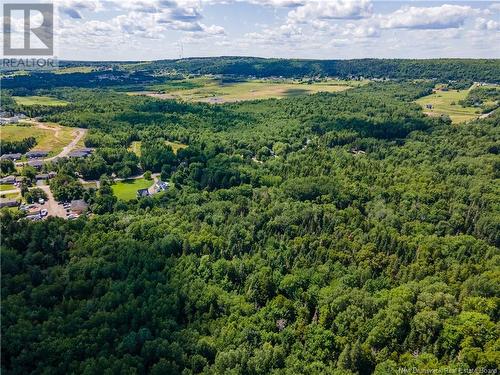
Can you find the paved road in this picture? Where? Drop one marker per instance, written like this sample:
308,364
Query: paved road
485,115
80,133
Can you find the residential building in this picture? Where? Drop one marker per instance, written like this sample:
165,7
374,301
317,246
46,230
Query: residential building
141,193
79,206
9,180
36,154
16,156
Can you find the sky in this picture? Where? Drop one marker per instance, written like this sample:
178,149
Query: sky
320,29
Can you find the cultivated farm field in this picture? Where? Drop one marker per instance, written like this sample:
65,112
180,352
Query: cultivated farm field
446,103
214,91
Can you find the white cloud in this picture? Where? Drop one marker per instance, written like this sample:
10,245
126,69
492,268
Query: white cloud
214,30
300,28
284,34
483,24
442,17
73,8
333,9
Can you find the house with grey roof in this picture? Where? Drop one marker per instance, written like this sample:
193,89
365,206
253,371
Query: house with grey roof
16,156
141,193
36,154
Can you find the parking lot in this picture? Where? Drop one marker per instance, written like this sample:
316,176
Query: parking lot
49,207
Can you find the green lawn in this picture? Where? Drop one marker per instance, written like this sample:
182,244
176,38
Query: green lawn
135,147
7,187
446,103
211,90
127,190
16,195
39,100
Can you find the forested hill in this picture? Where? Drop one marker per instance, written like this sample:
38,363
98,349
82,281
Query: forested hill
442,69
462,72
336,234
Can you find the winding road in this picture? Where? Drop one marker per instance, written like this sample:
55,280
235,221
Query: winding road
80,133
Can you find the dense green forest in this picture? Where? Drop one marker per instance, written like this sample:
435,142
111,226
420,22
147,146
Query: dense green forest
135,75
442,69
22,146
343,233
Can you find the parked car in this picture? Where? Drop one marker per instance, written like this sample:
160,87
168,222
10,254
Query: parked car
44,212
41,201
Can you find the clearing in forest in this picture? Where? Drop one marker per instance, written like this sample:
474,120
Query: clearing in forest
39,100
447,103
127,189
211,90
50,137
135,147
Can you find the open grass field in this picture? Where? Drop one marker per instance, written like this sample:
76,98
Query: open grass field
74,69
446,103
176,146
211,90
15,195
7,187
50,137
39,100
135,147
127,190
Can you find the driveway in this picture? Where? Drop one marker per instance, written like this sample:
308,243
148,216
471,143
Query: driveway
80,133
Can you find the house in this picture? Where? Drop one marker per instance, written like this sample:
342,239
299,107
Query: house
8,203
9,180
21,179
81,153
45,176
88,150
141,193
79,206
42,176
37,164
356,151
9,120
36,154
161,186
11,156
